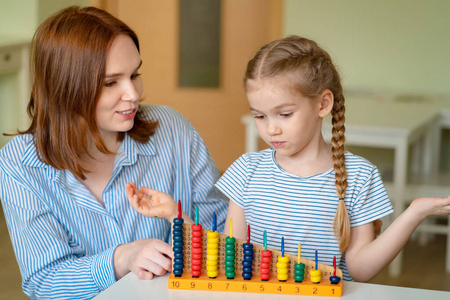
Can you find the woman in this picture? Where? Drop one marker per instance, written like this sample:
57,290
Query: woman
63,179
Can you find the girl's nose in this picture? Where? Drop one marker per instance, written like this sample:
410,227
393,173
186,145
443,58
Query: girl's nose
273,128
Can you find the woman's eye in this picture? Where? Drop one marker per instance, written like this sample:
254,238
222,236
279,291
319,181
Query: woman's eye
258,116
110,83
286,115
134,76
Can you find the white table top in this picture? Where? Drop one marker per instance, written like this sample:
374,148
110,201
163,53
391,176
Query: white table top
383,119
130,287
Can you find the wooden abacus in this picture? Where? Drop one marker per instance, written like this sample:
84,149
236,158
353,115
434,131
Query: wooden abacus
255,285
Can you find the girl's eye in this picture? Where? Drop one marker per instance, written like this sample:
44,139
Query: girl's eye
258,116
110,83
286,115
134,76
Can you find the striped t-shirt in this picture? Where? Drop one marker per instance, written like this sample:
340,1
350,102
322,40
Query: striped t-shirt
302,209
64,239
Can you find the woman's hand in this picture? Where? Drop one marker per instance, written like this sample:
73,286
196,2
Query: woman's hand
145,258
151,203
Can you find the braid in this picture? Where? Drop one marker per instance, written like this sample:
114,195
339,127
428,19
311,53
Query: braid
341,221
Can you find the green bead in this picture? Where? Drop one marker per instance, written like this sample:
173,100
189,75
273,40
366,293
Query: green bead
229,263
229,269
230,257
230,246
299,272
230,274
299,278
230,240
300,266
230,252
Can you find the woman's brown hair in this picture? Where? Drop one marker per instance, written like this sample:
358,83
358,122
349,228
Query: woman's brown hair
68,67
317,73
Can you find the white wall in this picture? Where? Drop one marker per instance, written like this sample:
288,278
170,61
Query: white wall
400,45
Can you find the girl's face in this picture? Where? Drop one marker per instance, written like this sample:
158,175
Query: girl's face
285,119
122,89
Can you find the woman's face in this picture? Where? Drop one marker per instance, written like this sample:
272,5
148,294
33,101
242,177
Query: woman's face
122,89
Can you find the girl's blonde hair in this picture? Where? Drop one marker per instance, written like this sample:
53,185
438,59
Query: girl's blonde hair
298,55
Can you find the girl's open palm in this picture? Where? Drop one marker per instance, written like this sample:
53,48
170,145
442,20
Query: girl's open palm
151,203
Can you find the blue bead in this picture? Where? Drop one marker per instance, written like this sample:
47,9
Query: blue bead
177,238
248,252
177,272
177,232
247,275
247,246
247,269
178,227
178,249
247,263
178,260
178,255
248,258
178,266
178,244
178,221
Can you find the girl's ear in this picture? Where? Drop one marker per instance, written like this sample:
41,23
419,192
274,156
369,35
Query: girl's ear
326,102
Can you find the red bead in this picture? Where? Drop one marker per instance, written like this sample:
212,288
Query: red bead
266,259
264,265
266,253
196,233
265,276
197,250
196,239
196,245
196,273
196,267
197,256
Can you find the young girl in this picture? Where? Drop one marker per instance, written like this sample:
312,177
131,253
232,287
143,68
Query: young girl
301,188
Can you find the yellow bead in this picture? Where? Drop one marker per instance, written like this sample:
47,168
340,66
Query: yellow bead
282,276
212,245
283,271
313,272
212,251
213,240
211,262
212,257
284,259
211,268
212,234
212,274
282,265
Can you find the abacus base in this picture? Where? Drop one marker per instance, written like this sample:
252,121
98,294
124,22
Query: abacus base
255,285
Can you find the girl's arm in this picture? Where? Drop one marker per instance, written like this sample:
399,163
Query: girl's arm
239,223
366,256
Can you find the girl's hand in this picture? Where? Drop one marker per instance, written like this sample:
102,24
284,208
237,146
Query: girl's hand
151,203
431,206
145,258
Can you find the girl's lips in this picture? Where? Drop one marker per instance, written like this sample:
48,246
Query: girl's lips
277,144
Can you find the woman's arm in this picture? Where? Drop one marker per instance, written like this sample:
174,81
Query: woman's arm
366,256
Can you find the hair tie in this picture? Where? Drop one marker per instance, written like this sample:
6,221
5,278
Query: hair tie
341,199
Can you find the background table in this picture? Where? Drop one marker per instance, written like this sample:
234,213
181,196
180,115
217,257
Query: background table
131,287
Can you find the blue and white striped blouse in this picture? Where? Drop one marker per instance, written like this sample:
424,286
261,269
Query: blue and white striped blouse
64,239
302,209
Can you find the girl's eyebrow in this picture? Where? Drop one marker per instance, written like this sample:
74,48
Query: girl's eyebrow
284,105
120,74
